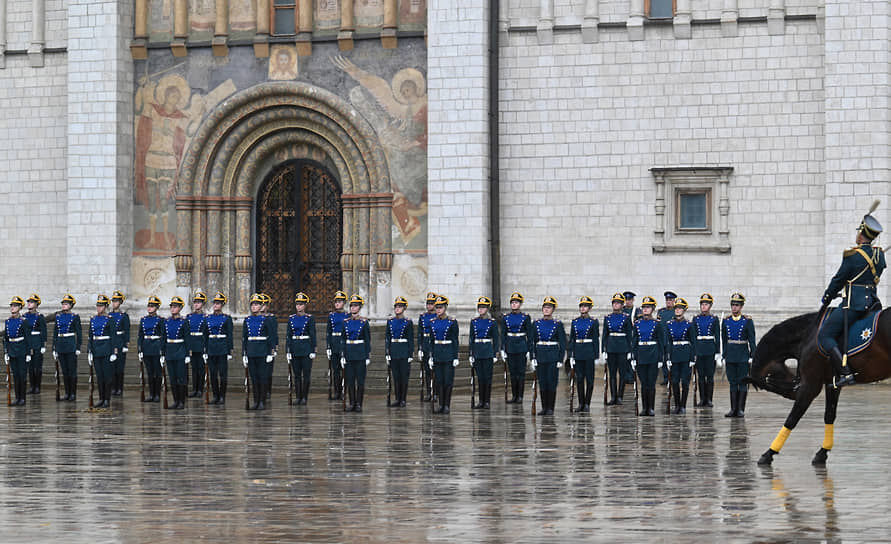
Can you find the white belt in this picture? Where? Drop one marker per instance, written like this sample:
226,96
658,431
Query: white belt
516,334
649,343
301,337
175,341
152,337
546,343
119,332
101,337
256,338
617,334
737,341
681,342
584,340
336,333
18,339
355,341
399,340
197,334
705,337
216,336
66,334
443,342
483,340
38,332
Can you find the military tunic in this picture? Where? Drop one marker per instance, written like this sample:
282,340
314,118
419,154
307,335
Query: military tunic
549,348
195,345
150,342
444,336
121,342
67,340
334,341
101,343
399,346
648,349
257,345
425,347
516,341
616,342
301,342
484,344
682,345
176,334
37,339
219,331
584,347
356,350
706,328
738,339
272,327
16,344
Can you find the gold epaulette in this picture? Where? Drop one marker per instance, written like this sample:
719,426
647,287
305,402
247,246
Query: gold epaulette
851,251
747,317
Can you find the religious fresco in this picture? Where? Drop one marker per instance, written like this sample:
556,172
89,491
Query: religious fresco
369,14
174,96
327,16
412,14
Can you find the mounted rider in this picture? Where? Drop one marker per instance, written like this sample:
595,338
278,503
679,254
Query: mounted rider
856,279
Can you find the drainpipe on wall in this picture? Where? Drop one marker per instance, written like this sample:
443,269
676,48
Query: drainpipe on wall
494,197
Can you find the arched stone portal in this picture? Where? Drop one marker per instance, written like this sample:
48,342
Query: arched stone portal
238,145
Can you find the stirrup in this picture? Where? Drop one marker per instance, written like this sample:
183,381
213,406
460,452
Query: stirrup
840,381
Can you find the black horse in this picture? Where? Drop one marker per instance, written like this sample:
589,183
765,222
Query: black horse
796,338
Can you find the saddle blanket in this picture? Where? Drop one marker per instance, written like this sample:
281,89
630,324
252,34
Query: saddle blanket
860,333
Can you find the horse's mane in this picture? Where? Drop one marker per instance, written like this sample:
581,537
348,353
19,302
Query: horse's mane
782,341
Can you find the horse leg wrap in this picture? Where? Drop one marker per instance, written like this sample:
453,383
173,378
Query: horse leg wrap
828,434
778,442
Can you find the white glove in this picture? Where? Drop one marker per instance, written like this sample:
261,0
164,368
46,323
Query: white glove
312,356
692,364
472,359
503,355
388,359
138,356
269,358
229,357
629,356
659,364
244,360
720,362
77,352
529,358
288,356
750,360
367,362
27,358
204,356
572,362
633,364
56,355
188,359
534,363
343,362
328,353
421,354
90,358
163,360
6,357
430,364
43,350
668,364
113,358
125,349
559,364
598,361
410,359
455,363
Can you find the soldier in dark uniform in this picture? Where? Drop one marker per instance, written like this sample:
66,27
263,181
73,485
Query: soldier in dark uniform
356,353
36,343
16,338
680,360
444,359
195,344
176,353
301,346
273,328
425,348
67,340
738,339
334,341
102,350
665,315
516,346
150,347
399,347
857,279
616,343
633,313
256,345
548,351
648,348
121,342
707,330
484,344
584,351
220,343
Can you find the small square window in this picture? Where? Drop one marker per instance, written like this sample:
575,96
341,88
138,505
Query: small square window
693,210
660,9
284,17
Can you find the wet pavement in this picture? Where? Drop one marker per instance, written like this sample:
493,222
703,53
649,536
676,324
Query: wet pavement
314,474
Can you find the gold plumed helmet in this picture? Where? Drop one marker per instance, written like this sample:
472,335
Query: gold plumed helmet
586,300
301,298
154,301
266,298
484,301
220,297
356,299
442,300
17,300
648,301
199,297
706,297
117,295
34,298
69,299
400,300
102,299
431,297
737,298
177,301
340,295
681,303
549,300
618,297
516,296
256,298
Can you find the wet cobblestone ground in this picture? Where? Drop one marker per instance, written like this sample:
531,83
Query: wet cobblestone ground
313,474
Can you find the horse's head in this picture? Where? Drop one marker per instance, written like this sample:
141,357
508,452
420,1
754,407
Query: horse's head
782,342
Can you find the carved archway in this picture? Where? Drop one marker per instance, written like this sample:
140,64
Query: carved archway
237,145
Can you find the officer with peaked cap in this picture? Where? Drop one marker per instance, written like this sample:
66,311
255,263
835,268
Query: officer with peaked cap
16,337
399,347
334,343
616,343
857,280
707,330
665,315
425,348
633,313
300,346
150,347
738,340
67,340
516,346
101,349
584,351
485,343
220,343
121,342
36,343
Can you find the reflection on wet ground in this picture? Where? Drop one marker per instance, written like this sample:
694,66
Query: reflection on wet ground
316,474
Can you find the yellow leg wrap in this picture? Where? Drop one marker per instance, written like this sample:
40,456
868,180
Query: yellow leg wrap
778,442
828,433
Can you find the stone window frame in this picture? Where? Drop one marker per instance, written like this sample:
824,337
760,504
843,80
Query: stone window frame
648,6
673,181
274,7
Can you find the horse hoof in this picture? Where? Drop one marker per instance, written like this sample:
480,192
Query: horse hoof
820,457
766,458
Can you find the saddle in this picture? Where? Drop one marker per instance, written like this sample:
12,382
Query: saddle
860,332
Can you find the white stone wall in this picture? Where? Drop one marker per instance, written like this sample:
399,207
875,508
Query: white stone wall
457,163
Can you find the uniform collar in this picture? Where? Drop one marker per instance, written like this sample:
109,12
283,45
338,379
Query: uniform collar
736,317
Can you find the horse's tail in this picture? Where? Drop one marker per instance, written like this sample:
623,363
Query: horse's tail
782,386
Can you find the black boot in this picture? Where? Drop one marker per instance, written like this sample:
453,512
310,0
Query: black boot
351,398
709,395
613,392
223,385
682,405
651,408
151,388
175,404
487,395
305,395
261,396
360,396
676,393
404,395
621,392
215,388
446,399
589,391
843,374
741,403
73,396
521,388
156,396
644,399
734,404
117,383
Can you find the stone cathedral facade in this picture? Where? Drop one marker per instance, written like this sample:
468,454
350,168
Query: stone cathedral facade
469,147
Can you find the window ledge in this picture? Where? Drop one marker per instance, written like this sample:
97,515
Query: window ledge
692,248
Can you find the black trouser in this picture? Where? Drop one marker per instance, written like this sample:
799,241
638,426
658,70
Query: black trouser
197,362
